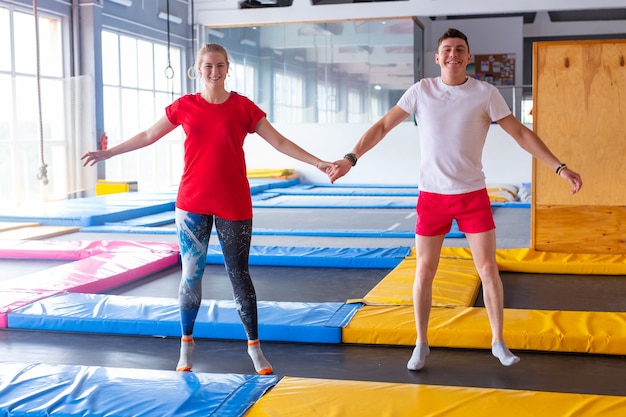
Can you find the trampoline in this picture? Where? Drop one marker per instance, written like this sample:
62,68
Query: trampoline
332,370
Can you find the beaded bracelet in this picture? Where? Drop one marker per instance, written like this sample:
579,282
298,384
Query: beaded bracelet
351,158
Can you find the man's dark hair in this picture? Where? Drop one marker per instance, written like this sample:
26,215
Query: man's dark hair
453,33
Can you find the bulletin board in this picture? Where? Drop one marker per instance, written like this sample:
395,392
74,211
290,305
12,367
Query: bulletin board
496,69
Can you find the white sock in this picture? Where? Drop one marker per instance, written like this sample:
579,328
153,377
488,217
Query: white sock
500,351
187,346
261,365
418,358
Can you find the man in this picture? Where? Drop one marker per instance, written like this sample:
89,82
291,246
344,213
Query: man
453,113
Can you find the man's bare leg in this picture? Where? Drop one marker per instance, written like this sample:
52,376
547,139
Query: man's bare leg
427,250
483,247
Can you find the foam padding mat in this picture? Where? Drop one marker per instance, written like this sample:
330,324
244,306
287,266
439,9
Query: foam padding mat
334,398
348,190
78,249
94,210
456,284
4,226
217,319
531,261
541,330
318,257
92,267
270,199
272,173
96,273
36,232
67,390
116,207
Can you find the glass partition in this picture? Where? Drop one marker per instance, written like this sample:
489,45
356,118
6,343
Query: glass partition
328,72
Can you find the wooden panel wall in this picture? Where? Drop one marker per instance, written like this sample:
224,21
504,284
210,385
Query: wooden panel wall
579,110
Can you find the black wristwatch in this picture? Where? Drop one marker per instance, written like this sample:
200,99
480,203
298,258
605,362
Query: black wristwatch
351,158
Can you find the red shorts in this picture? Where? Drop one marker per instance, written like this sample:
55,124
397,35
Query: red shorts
435,212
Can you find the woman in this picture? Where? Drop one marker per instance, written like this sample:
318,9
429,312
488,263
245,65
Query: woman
214,189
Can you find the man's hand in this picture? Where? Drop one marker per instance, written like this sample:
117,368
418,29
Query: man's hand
573,178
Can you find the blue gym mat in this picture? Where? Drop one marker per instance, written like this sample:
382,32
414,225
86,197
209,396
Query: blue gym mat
318,257
69,390
151,316
348,190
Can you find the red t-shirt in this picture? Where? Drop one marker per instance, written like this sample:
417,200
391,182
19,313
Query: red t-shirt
214,179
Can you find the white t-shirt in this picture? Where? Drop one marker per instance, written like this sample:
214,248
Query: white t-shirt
453,122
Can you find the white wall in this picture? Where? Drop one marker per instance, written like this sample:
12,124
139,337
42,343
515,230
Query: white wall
393,161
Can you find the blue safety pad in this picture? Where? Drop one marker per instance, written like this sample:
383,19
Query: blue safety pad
96,210
117,207
258,185
170,230
354,190
510,204
276,200
70,390
151,316
153,220
318,257
129,228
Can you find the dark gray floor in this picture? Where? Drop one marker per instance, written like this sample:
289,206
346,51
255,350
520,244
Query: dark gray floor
574,373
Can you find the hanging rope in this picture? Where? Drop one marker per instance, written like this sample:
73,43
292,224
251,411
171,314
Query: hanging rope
191,71
42,173
169,71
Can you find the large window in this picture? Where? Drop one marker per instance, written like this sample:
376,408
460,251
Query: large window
327,72
136,91
26,143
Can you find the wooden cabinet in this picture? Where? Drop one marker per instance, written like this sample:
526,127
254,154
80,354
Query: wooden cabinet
579,110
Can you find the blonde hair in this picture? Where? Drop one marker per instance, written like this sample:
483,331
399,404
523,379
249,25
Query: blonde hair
211,47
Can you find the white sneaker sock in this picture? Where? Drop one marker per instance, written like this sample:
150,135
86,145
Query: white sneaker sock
418,358
500,351
187,346
261,365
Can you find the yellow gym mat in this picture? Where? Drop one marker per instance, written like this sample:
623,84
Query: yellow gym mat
5,226
456,284
272,173
462,327
37,232
531,261
329,398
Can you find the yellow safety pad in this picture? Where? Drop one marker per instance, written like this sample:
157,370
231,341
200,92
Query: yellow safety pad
511,189
456,284
307,397
500,196
270,173
5,226
531,261
37,232
104,187
462,327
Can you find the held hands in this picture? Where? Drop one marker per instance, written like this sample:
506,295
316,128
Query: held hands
573,178
91,158
340,168
325,167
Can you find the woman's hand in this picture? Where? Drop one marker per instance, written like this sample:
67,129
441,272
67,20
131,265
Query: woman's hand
91,158
325,166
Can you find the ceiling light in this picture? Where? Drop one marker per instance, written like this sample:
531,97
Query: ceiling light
170,17
125,3
215,33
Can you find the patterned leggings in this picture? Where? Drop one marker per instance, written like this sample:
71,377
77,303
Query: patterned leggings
194,231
